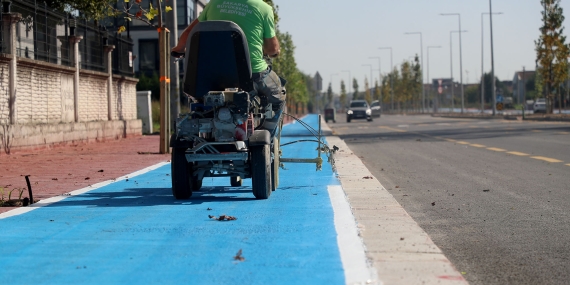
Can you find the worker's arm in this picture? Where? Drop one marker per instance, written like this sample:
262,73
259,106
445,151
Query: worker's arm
181,46
271,47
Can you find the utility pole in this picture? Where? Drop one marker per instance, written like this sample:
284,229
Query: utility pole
164,57
460,59
172,24
493,61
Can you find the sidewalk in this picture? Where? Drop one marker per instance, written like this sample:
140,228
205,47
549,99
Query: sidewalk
60,170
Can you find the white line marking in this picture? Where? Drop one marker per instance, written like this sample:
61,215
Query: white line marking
356,268
55,199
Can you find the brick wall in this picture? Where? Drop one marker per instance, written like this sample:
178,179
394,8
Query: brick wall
4,92
92,96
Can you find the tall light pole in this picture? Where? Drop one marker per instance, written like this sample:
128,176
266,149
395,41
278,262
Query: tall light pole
493,61
451,64
422,55
379,68
391,77
483,62
460,58
369,84
428,79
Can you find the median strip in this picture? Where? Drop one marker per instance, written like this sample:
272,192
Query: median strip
496,149
518,153
547,159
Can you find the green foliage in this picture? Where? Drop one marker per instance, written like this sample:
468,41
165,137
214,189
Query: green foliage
90,9
355,88
330,102
342,94
551,49
150,84
367,95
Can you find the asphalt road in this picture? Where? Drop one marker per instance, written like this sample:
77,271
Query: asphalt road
494,195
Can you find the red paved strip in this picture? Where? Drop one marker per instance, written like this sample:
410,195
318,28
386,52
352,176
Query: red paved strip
63,169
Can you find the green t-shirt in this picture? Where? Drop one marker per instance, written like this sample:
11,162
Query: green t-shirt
254,17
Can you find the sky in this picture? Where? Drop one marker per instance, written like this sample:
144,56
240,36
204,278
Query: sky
334,36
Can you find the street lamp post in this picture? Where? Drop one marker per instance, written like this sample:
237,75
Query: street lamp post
379,68
483,62
451,64
422,59
391,78
493,61
428,79
460,58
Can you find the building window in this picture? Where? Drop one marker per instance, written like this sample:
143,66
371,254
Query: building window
148,53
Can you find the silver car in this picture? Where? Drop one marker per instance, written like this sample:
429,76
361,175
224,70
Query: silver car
358,109
539,105
376,109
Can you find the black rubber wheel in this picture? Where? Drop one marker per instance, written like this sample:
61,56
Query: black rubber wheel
275,165
370,120
236,181
261,171
181,174
348,120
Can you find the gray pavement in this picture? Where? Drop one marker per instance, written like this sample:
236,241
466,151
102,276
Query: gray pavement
492,195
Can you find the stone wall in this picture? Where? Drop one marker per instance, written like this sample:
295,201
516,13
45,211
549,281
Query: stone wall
45,106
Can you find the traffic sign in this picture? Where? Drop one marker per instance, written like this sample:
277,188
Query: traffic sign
500,106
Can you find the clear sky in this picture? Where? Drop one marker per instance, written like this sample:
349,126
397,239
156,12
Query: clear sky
333,35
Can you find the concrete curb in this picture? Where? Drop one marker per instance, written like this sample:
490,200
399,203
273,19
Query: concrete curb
398,248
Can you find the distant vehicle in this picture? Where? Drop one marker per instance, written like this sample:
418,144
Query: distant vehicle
508,102
358,109
539,105
376,109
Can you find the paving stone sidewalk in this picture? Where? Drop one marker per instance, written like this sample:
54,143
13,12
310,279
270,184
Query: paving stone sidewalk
62,169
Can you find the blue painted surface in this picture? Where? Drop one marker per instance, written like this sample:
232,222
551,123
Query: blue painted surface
135,232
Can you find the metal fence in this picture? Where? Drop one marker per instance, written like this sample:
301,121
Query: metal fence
43,34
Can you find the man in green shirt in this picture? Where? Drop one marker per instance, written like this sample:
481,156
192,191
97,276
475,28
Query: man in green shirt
256,19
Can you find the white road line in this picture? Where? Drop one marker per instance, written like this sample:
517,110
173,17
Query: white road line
52,200
356,268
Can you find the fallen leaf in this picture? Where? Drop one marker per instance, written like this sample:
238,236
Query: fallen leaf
54,179
223,218
367,177
87,178
401,238
209,209
486,190
397,186
101,170
433,203
239,257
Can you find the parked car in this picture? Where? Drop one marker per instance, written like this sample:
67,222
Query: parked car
376,109
358,109
539,105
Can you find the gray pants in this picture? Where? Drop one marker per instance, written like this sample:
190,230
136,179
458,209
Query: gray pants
271,86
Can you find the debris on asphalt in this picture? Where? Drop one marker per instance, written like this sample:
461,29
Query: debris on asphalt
419,140
433,203
367,177
55,179
222,218
239,257
101,170
402,238
209,209
87,178
486,190
397,186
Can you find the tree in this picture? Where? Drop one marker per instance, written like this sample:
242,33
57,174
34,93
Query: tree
342,94
367,95
355,87
376,91
551,50
330,95
489,86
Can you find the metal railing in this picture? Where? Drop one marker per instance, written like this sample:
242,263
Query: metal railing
43,34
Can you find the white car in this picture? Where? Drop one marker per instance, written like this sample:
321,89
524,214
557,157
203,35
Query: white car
539,105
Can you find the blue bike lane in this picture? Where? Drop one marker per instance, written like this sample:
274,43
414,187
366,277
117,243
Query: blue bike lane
134,231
